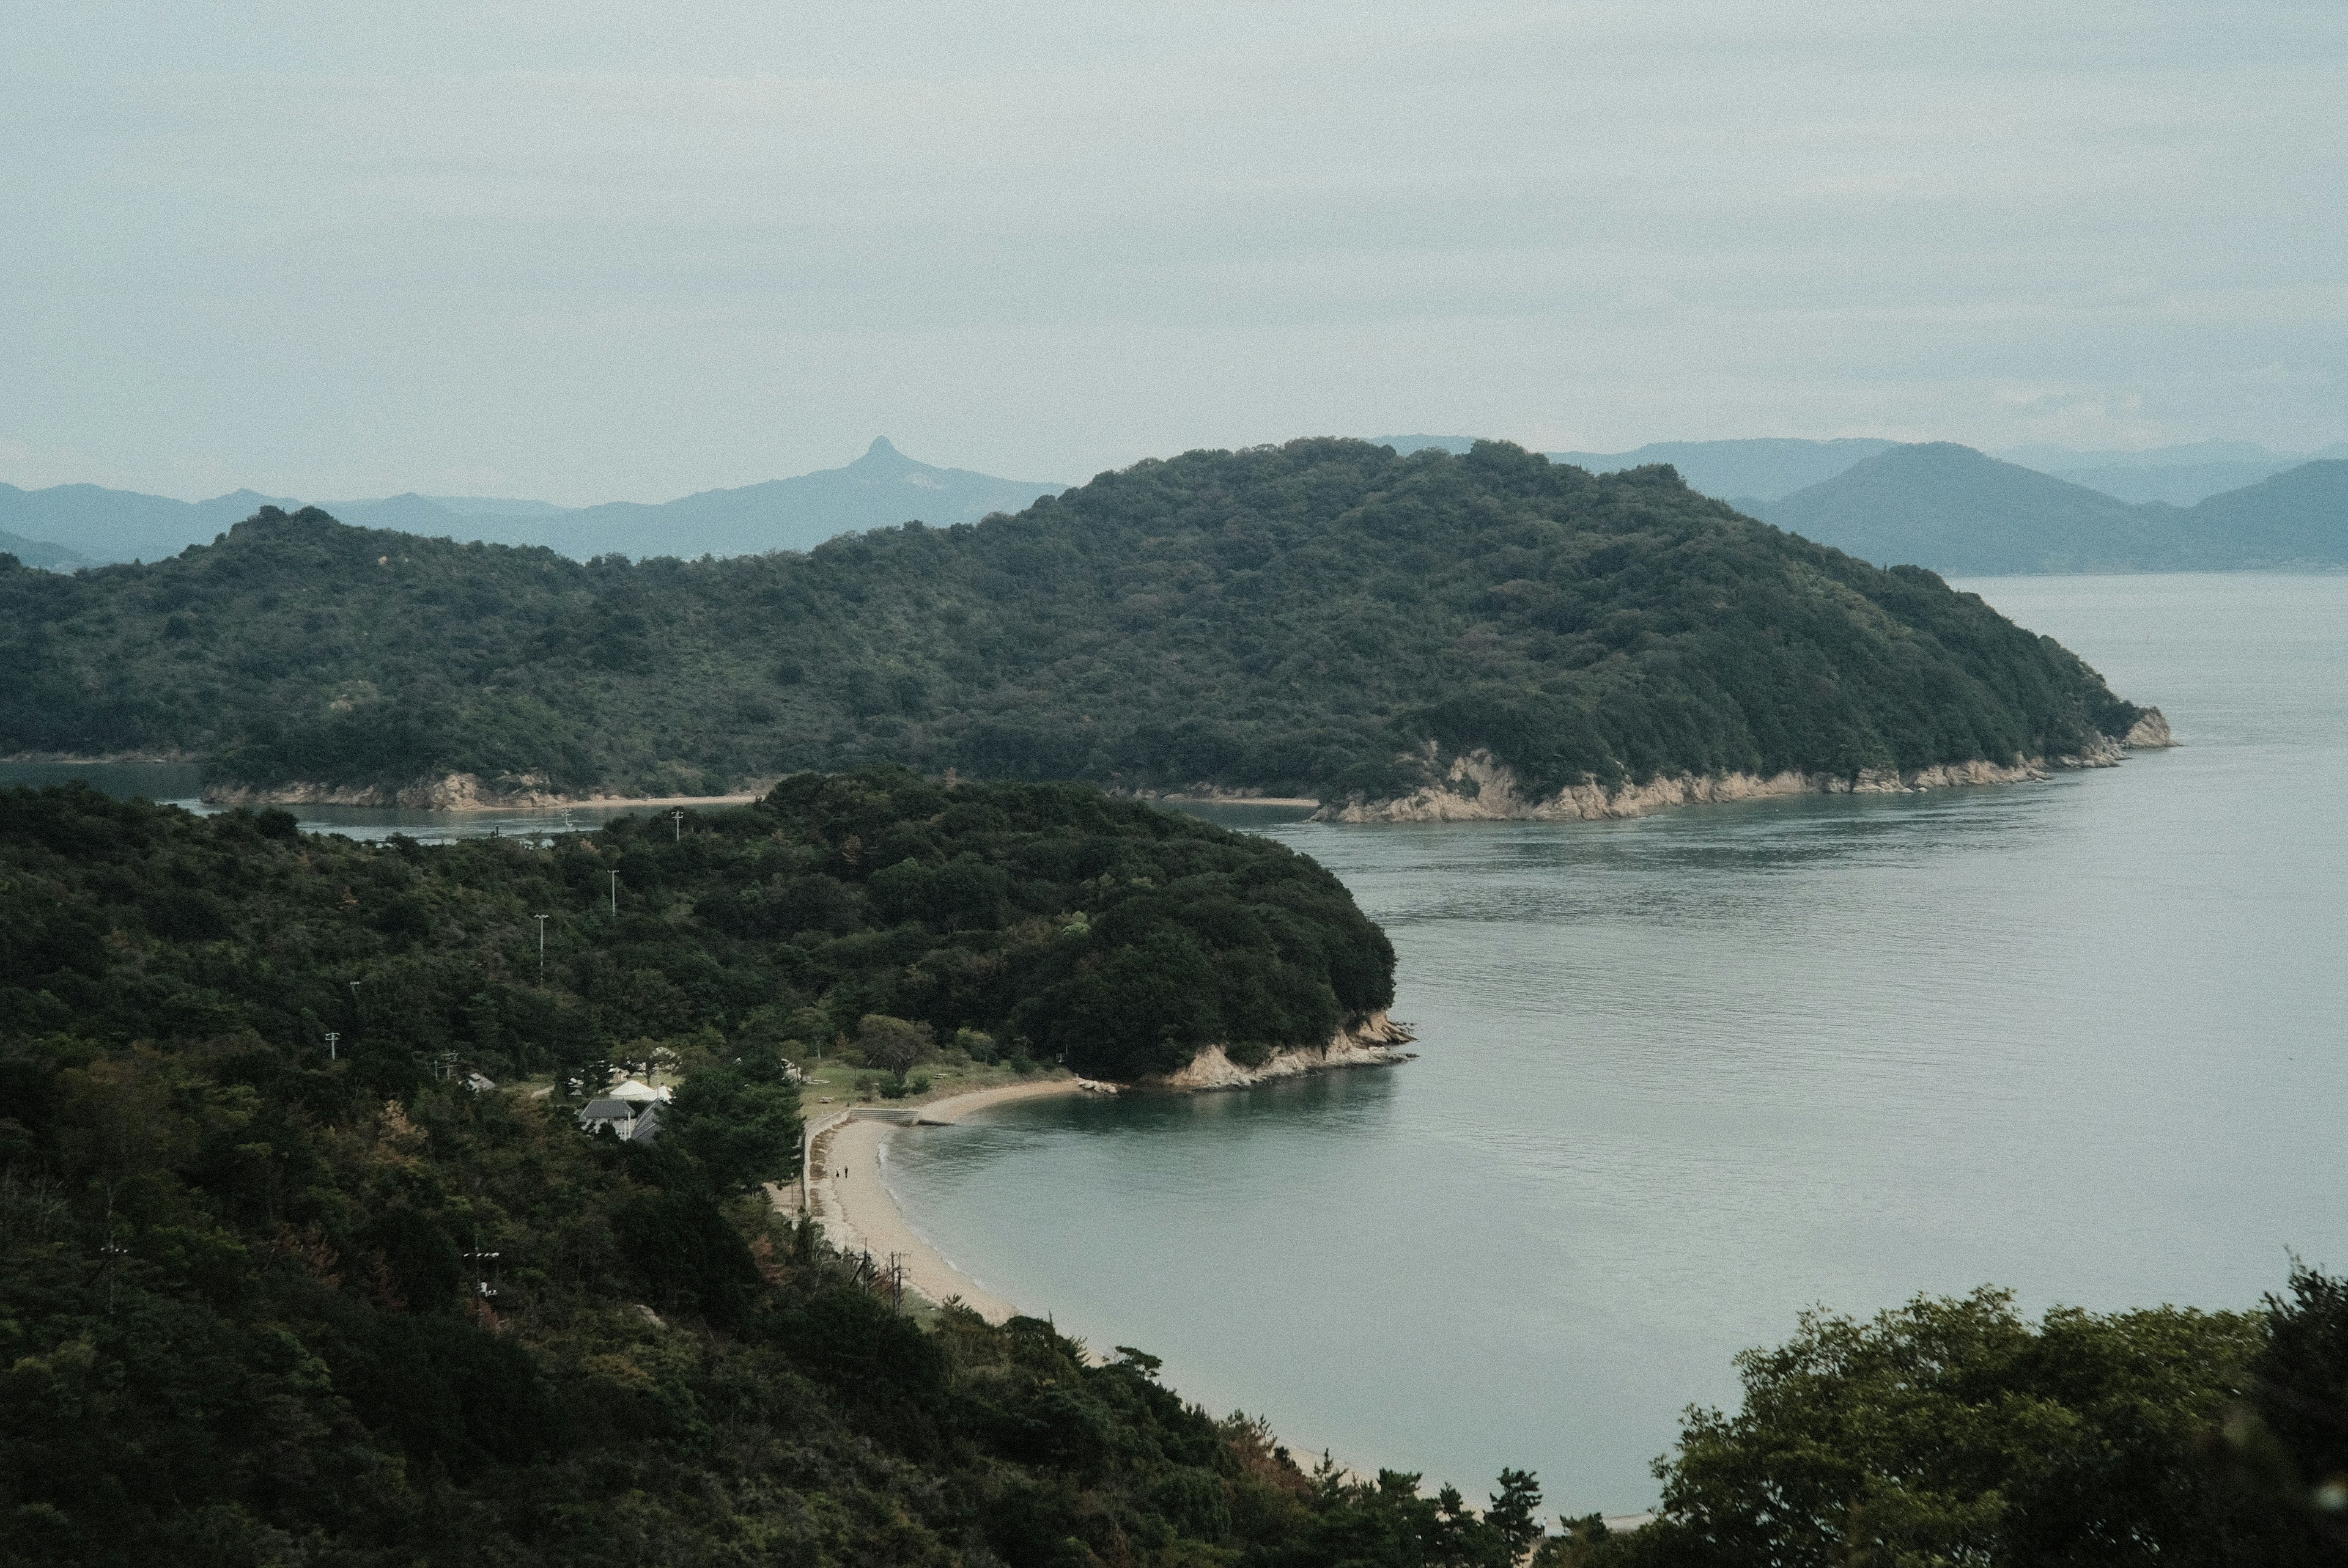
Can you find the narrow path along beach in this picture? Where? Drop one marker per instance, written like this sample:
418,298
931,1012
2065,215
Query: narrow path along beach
858,1214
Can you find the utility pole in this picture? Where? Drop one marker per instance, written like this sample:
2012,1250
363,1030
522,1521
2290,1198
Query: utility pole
112,1251
677,817
542,947
615,894
332,1035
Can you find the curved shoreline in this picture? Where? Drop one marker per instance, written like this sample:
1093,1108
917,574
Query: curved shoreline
851,1200
1476,786
859,1213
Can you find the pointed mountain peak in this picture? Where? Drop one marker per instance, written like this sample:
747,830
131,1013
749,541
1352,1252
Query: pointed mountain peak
881,448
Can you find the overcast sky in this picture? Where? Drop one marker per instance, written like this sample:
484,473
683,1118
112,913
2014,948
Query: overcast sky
590,251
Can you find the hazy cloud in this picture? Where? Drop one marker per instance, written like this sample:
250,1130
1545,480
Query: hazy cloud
587,252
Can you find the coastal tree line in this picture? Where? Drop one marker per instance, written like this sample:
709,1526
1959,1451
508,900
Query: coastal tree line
1307,619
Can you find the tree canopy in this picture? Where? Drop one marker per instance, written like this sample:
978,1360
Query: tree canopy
1954,1431
1049,917
264,1301
1305,619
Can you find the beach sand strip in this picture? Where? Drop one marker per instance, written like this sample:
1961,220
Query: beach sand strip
858,1214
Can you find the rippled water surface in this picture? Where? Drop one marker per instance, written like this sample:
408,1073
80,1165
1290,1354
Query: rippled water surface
1684,1076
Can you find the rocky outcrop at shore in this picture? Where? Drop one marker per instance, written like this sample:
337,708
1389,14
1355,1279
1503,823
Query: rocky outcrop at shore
1479,787
1371,1041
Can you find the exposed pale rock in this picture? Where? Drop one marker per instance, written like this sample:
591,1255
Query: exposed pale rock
1479,787
2150,733
1371,1041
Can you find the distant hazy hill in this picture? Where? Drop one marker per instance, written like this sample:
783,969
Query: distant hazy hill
102,525
2299,517
1733,470
1958,511
2179,474
1760,470
1323,618
881,488
1764,471
40,553
2178,484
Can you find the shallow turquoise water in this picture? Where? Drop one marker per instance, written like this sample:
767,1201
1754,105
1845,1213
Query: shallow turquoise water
1684,1076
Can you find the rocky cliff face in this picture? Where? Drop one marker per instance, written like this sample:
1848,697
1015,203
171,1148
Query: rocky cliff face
1477,787
1372,1041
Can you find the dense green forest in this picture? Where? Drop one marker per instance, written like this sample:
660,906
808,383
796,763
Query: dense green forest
1045,920
1305,619
242,1307
266,1303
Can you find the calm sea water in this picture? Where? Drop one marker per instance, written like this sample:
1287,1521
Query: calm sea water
1684,1076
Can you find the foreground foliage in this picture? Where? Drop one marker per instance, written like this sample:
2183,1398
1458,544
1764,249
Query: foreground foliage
1956,1432
1324,618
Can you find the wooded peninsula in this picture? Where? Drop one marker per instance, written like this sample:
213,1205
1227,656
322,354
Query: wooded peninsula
1324,618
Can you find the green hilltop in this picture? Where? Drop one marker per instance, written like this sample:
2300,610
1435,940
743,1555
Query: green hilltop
1325,618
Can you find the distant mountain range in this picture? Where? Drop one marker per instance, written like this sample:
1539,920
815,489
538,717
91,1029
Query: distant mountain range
1930,504
75,525
1742,472
1960,511
1957,510
41,553
2180,475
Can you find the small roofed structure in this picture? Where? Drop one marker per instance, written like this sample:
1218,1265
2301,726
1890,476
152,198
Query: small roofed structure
629,1109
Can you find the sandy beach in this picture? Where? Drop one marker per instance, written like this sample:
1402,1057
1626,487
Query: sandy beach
858,1214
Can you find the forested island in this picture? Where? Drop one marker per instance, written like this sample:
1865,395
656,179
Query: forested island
1324,619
